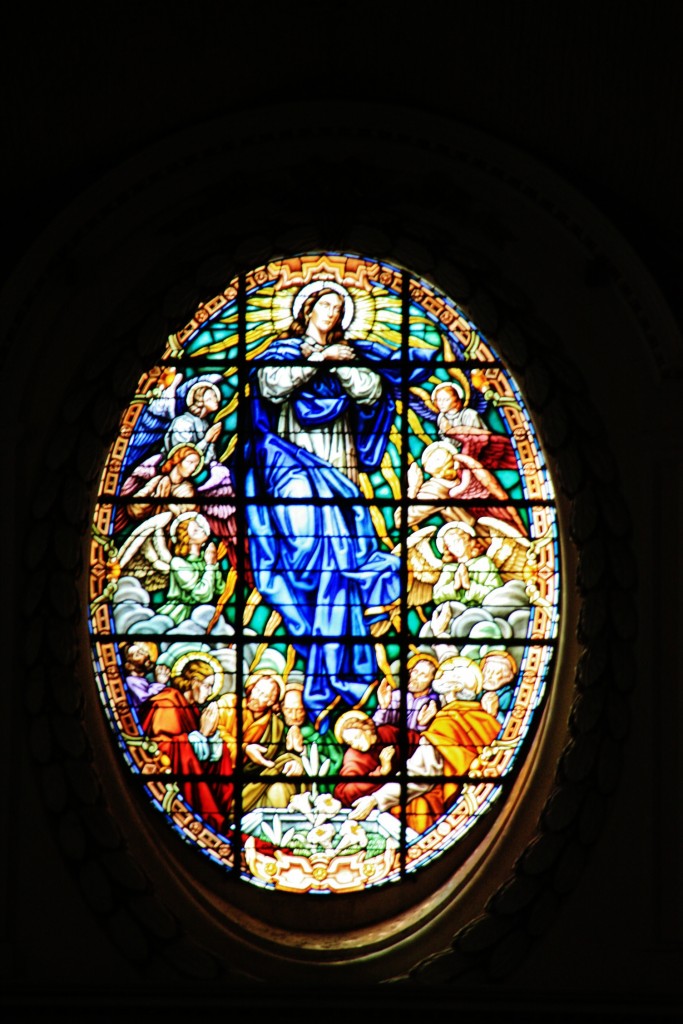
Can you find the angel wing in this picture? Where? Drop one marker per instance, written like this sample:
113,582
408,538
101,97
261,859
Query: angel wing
219,493
157,415
474,482
494,451
146,555
152,423
419,400
508,548
512,567
477,400
490,447
139,476
133,483
436,491
424,566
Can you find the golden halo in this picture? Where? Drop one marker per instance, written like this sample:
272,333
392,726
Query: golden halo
209,385
151,648
418,655
209,659
187,444
452,663
459,382
342,721
439,446
259,673
202,520
459,525
500,653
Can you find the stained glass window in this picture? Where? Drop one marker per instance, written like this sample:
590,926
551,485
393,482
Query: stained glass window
324,577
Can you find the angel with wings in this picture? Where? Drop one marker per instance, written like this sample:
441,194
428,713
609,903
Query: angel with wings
176,554
160,487
452,475
173,454
457,408
464,562
177,412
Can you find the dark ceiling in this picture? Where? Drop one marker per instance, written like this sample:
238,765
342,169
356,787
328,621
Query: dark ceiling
592,90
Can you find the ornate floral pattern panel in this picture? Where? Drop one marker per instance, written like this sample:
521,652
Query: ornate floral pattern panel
324,583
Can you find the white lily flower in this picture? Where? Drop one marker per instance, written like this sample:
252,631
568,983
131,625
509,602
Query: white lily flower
301,802
321,835
327,806
314,758
273,832
352,834
311,761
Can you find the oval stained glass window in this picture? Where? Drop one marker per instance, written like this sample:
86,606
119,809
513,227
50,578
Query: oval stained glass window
324,578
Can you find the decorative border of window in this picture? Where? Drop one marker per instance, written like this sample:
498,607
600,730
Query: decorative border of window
114,883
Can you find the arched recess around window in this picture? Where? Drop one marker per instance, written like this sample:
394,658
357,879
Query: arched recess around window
447,897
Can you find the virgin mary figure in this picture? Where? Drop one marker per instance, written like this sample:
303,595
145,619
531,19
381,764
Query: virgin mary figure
322,406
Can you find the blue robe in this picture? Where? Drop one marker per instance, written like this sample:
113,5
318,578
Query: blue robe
320,565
